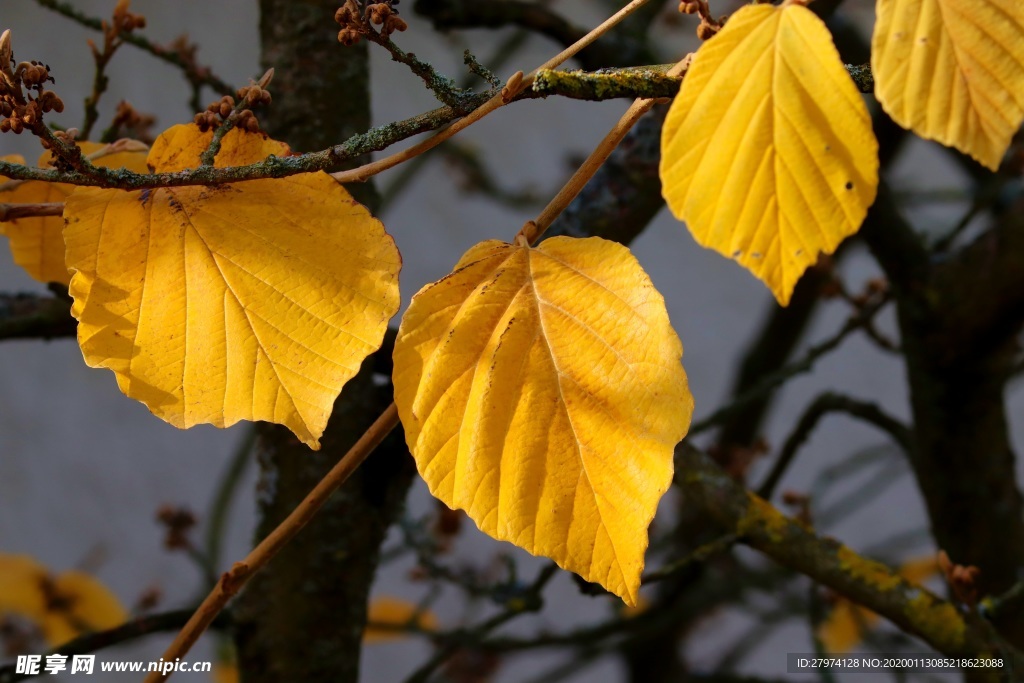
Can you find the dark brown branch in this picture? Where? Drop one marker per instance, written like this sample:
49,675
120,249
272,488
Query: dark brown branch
770,382
30,316
195,75
823,405
127,632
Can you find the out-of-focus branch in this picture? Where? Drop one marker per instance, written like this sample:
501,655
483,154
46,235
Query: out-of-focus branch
776,379
127,632
194,74
30,316
535,17
823,405
717,497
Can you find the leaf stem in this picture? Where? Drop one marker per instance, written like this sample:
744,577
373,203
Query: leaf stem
532,230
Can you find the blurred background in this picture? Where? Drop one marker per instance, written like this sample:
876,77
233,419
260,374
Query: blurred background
84,470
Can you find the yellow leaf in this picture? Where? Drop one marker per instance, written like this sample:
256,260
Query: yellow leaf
952,71
388,612
845,626
767,151
81,604
541,391
62,606
37,243
21,579
225,673
254,301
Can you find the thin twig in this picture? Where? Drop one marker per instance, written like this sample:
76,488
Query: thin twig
1002,605
195,75
10,212
529,601
233,580
442,86
217,518
101,640
699,556
532,230
515,85
824,404
785,373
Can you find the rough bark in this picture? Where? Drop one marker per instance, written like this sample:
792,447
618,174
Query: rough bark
302,618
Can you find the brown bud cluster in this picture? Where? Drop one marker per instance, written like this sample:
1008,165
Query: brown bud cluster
384,14
357,21
709,26
124,20
134,123
246,120
239,111
253,95
224,106
23,97
178,522
705,31
206,120
350,18
962,579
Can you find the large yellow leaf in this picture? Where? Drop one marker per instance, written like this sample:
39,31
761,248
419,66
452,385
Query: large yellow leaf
37,243
953,71
254,301
62,606
541,391
767,151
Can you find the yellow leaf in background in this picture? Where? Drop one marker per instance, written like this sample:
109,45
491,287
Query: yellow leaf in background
37,243
952,71
845,626
541,391
767,151
847,623
62,606
225,673
20,581
387,612
253,301
81,603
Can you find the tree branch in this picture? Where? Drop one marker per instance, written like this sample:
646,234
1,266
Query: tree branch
824,404
127,632
455,14
30,316
714,495
640,81
195,75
